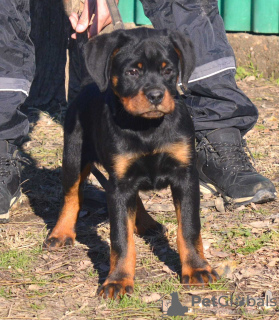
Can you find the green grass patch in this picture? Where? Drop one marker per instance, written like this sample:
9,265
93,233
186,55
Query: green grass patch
170,218
167,286
37,307
5,292
221,284
93,273
18,259
263,212
241,240
126,302
259,155
243,72
254,243
259,126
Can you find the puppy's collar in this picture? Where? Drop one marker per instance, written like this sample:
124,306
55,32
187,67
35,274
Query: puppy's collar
181,88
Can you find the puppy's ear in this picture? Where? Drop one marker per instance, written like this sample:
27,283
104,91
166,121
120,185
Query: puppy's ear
185,51
98,52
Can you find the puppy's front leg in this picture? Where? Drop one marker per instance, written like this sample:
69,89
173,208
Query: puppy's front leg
122,212
186,196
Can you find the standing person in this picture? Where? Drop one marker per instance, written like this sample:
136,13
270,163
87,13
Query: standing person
221,112
17,68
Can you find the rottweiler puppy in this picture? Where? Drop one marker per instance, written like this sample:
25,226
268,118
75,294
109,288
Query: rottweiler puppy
132,121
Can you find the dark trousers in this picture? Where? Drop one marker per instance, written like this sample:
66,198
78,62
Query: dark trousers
215,100
17,67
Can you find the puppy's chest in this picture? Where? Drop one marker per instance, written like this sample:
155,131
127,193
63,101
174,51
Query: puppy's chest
155,168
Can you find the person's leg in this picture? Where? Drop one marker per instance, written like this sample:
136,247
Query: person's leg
221,112
16,74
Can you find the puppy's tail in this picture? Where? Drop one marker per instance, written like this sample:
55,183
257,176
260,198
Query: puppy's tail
100,177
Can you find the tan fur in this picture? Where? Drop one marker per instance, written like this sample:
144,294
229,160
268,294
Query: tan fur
114,81
179,151
139,104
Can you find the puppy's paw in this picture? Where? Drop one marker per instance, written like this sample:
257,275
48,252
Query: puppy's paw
199,276
55,241
114,289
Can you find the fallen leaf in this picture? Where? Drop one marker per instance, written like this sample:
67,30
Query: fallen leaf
259,224
273,262
33,287
143,196
268,99
206,244
160,207
219,254
103,305
219,204
167,269
84,264
207,196
255,230
240,208
226,268
254,206
153,297
250,78
247,273
207,204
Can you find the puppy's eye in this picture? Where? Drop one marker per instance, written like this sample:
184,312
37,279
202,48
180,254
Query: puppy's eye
167,71
132,72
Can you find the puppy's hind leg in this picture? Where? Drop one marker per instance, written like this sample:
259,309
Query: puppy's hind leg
76,168
145,225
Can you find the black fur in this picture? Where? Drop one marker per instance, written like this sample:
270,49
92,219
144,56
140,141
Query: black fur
140,64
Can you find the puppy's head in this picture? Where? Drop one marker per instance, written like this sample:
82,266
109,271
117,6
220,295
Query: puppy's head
142,66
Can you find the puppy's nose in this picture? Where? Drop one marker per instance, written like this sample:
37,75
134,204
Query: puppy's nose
155,96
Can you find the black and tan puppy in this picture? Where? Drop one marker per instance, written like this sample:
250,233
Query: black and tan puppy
133,123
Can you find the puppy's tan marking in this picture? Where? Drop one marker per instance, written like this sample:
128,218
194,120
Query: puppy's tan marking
179,151
122,162
168,103
114,80
137,104
181,243
65,226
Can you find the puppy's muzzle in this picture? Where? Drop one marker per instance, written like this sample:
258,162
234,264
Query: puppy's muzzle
159,103
155,96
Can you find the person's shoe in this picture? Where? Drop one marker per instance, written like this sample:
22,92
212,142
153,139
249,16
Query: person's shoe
224,168
10,172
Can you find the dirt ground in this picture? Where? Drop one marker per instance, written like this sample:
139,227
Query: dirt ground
255,51
241,243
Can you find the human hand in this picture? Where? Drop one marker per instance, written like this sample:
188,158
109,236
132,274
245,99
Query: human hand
101,18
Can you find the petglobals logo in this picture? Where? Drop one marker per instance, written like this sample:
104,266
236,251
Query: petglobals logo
173,307
231,300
